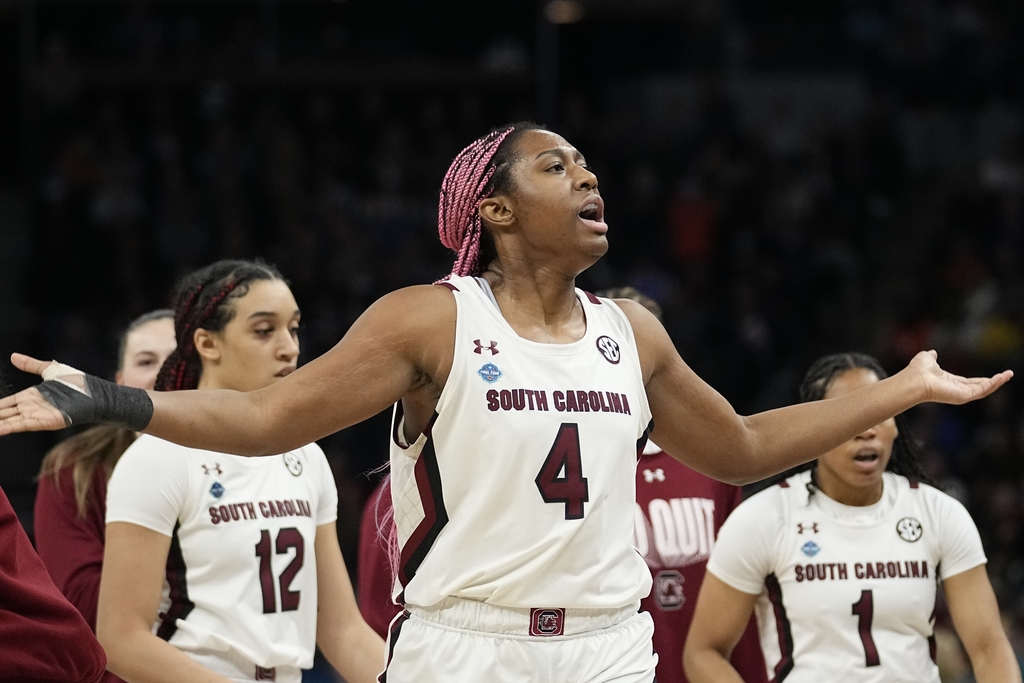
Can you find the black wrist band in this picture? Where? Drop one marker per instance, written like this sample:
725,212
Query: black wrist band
102,401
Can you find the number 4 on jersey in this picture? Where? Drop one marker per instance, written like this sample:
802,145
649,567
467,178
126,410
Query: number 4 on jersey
571,488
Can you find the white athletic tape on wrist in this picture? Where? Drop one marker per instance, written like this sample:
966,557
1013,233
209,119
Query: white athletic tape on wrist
55,371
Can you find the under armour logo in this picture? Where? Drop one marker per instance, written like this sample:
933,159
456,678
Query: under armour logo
216,468
658,474
813,527
480,348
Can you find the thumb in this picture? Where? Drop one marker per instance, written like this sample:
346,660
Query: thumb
28,363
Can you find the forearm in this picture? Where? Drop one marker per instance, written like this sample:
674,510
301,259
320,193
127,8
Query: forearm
996,663
141,657
708,665
216,420
356,651
786,437
715,441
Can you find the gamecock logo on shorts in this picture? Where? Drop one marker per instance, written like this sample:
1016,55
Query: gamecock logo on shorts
547,622
609,348
668,590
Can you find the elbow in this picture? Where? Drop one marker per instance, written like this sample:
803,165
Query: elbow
117,646
693,655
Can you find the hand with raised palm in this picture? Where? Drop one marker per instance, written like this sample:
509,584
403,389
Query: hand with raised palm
938,386
28,410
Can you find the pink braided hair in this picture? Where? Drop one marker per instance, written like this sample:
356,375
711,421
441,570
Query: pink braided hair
465,185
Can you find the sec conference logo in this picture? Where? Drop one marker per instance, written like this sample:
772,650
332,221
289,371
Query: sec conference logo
609,348
909,529
292,462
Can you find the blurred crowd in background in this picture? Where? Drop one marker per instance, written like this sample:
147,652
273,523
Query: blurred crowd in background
787,179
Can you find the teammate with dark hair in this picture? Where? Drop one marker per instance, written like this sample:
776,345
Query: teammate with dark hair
841,564
520,402
245,597
71,499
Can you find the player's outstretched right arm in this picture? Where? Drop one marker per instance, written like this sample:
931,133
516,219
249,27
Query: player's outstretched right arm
402,342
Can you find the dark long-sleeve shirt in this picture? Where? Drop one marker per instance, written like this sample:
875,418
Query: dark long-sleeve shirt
42,636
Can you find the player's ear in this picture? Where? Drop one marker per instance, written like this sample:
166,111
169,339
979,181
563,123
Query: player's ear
497,212
207,345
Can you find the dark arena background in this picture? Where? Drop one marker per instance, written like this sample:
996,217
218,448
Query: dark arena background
788,179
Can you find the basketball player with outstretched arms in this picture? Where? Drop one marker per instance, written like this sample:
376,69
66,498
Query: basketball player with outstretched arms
520,403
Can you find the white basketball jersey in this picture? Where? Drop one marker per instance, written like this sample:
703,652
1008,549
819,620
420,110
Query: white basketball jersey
241,571
846,593
521,490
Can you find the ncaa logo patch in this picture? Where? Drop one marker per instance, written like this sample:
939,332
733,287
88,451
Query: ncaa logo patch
609,348
292,462
547,622
216,490
909,529
489,373
810,549
668,590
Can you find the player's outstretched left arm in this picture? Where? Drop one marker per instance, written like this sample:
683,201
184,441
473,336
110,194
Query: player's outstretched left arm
394,347
697,425
972,604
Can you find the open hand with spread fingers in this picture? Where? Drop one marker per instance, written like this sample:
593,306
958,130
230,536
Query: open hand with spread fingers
68,396
28,410
939,386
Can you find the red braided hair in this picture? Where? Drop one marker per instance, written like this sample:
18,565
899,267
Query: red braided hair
200,304
471,179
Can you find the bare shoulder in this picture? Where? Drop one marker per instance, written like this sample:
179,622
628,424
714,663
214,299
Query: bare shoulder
413,308
416,322
652,341
639,317
419,296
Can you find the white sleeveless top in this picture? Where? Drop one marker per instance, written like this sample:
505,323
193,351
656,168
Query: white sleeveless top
520,491
846,593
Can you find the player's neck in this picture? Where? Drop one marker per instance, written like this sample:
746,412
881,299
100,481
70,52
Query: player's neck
842,492
211,380
539,304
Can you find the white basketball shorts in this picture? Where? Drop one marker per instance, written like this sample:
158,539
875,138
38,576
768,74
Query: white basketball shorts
466,641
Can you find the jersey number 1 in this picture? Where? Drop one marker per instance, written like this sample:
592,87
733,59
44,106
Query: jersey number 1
571,488
286,538
865,611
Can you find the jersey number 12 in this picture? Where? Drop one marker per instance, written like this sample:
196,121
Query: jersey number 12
286,539
570,489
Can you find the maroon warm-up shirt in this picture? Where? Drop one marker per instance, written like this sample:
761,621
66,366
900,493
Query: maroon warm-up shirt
375,578
70,545
42,637
682,511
